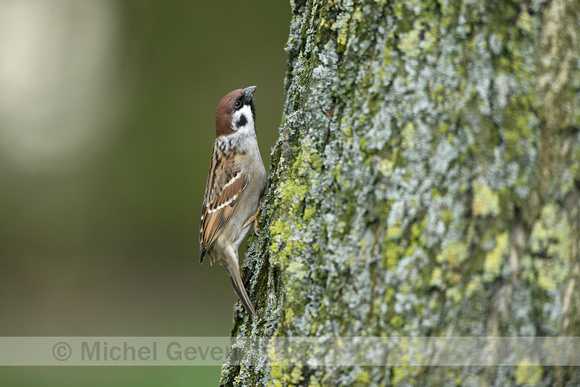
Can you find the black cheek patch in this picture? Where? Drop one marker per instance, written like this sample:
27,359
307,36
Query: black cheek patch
242,121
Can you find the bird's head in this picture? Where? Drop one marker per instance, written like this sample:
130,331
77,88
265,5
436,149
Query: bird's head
236,113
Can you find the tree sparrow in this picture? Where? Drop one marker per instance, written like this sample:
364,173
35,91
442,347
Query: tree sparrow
234,187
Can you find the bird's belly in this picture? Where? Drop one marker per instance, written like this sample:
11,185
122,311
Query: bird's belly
233,233
241,237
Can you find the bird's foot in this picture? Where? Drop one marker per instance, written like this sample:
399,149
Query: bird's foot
254,219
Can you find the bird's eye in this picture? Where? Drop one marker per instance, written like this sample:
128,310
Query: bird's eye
238,104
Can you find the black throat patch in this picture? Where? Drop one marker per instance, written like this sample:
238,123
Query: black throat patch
242,121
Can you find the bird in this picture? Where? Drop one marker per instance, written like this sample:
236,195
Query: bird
234,188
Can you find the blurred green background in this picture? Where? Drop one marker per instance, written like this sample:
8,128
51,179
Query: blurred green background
106,128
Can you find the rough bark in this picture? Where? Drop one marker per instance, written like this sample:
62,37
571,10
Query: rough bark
426,182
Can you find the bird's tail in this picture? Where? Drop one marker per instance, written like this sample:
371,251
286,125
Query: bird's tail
233,270
241,292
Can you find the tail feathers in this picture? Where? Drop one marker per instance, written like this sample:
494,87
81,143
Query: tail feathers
201,252
241,292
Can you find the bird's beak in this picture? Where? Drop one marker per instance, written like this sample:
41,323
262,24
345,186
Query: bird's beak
249,92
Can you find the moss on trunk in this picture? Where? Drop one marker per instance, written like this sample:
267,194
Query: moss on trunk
426,182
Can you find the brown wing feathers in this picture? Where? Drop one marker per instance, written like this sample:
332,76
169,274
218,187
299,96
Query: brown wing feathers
224,185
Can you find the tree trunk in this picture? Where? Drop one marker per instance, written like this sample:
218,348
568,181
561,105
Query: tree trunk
426,182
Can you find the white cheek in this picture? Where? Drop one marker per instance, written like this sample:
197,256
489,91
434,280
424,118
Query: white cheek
247,112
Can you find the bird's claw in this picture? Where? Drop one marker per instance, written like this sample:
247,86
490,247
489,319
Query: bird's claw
254,219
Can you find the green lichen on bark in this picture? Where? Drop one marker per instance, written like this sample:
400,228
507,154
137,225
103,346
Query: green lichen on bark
426,182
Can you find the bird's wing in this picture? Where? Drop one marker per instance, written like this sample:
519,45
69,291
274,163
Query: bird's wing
224,185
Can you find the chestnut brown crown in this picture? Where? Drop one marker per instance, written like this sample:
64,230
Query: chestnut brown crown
228,105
